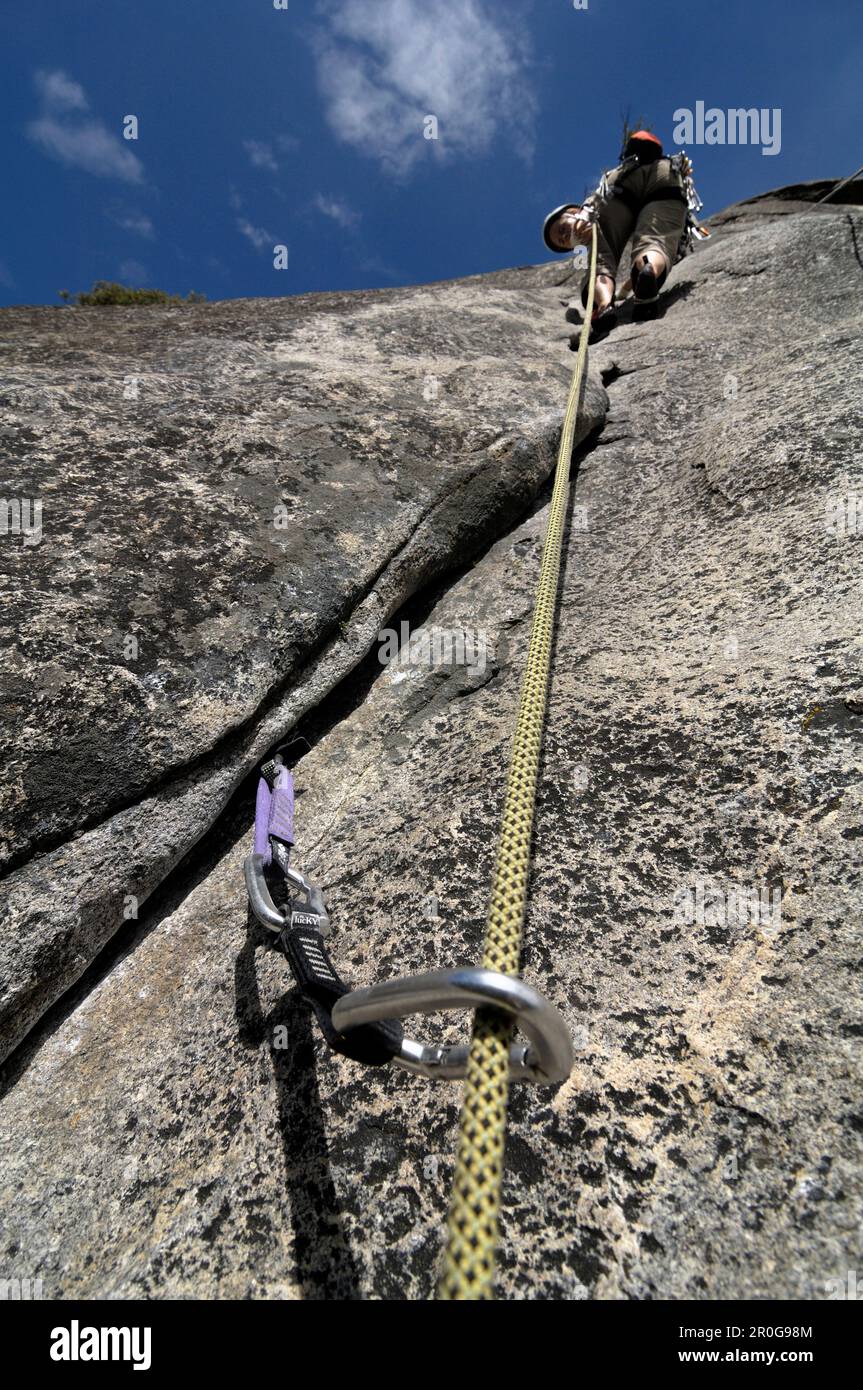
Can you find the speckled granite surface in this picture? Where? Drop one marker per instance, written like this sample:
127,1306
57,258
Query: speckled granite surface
704,742
165,630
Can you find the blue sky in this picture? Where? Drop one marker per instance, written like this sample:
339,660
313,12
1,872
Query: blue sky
303,127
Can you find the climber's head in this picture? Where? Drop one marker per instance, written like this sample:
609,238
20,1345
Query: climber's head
645,144
556,235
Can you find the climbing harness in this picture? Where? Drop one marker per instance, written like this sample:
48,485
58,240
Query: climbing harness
608,188
681,165
365,1023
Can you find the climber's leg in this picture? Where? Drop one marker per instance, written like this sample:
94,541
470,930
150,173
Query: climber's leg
648,275
614,229
603,294
655,241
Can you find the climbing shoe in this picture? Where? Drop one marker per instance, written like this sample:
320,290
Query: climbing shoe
646,284
602,323
600,327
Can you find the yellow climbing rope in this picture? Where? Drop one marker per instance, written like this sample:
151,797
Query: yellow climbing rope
468,1269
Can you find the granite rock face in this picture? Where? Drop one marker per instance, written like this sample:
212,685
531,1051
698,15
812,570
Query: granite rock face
175,1126
234,499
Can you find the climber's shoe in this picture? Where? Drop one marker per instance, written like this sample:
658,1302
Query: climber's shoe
601,325
601,328
646,284
602,322
602,319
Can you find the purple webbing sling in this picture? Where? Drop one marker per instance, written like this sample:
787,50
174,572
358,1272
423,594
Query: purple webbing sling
274,812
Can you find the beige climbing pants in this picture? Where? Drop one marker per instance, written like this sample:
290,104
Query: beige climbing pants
641,205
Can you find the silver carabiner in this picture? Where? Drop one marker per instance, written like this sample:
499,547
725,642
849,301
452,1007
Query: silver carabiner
546,1059
308,912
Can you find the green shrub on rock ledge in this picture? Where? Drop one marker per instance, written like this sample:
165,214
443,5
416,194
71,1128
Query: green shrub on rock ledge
108,292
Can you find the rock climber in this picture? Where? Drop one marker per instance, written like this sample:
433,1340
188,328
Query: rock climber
649,197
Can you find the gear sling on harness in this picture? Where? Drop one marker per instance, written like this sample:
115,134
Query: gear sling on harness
364,1023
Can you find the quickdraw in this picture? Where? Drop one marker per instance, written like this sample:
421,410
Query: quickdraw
694,230
364,1024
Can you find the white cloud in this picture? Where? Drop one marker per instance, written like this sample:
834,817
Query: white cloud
261,155
258,236
384,65
136,222
338,211
59,92
65,131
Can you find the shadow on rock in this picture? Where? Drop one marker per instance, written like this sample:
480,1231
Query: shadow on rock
325,1266
853,230
630,311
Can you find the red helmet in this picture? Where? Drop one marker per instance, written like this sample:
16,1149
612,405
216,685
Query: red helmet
646,135
645,143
